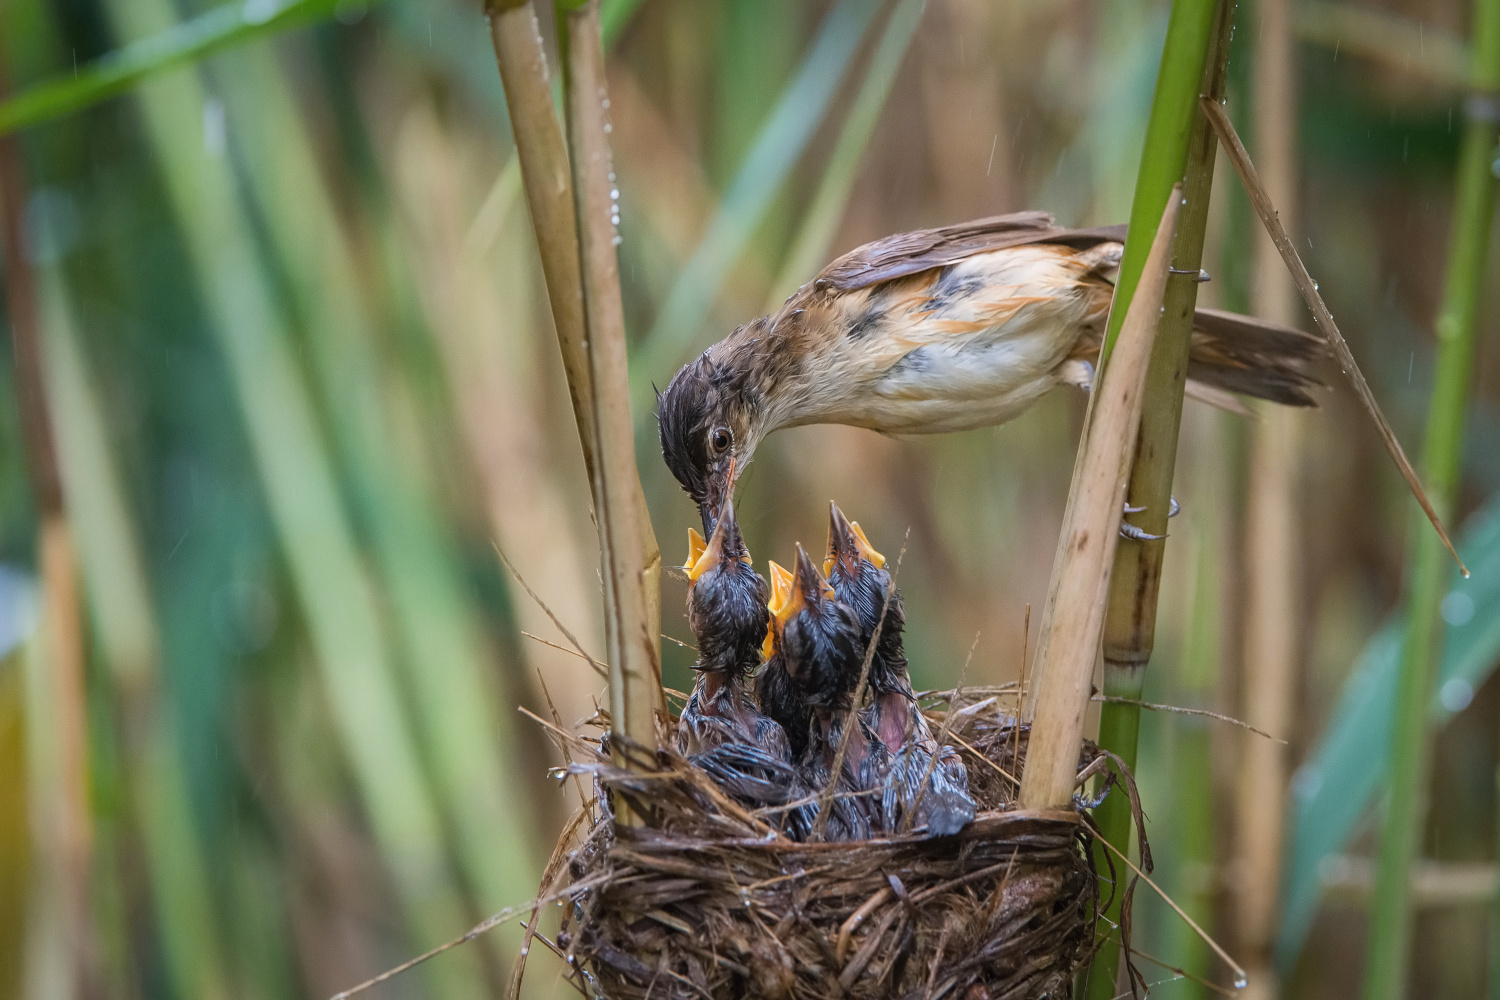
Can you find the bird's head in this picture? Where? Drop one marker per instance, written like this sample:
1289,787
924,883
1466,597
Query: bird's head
708,431
819,637
726,597
858,575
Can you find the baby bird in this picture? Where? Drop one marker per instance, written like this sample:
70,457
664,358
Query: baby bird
925,784
720,729
821,653
774,689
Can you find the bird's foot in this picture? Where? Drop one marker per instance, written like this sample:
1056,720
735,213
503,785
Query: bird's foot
1128,530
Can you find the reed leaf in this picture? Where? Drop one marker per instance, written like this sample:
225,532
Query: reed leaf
1350,763
336,593
443,661
174,45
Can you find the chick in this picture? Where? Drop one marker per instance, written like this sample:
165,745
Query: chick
720,729
859,578
820,650
774,691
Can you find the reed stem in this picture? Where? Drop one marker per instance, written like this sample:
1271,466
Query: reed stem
632,623
1130,623
68,840
1068,640
1273,535
549,184
1388,949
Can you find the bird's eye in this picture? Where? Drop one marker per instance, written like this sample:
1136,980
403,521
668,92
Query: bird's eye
721,439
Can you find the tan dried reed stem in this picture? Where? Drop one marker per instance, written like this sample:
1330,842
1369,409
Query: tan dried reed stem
1266,209
633,632
70,836
633,627
1068,641
1273,530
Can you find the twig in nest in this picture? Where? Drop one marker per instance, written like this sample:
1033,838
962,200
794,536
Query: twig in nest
1179,710
1266,209
851,718
577,646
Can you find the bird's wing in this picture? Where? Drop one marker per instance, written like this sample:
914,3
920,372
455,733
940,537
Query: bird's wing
910,253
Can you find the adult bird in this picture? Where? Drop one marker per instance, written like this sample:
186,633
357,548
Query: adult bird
925,783
941,330
720,729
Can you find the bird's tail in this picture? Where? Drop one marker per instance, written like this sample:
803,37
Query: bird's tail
1242,355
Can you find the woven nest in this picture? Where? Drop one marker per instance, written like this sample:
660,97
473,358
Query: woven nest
708,901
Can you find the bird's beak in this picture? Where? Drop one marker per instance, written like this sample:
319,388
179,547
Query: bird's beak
847,543
696,547
808,586
781,590
724,543
720,490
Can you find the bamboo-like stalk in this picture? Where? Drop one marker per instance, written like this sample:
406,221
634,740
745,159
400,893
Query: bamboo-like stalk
1272,535
69,834
1068,640
632,631
1130,623
1271,220
1388,950
548,181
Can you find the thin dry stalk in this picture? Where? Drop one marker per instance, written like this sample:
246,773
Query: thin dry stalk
632,581
1068,640
1273,532
71,836
624,528
1266,209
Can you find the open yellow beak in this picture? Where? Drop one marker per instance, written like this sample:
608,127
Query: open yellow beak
865,548
704,556
696,547
781,589
842,530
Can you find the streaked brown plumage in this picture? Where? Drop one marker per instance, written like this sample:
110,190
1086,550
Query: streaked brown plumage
941,330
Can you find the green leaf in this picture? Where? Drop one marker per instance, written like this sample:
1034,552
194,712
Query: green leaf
1331,792
192,40
232,24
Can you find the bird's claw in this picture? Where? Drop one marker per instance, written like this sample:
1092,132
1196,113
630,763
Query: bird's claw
1128,530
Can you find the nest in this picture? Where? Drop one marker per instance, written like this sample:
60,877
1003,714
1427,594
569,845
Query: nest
706,900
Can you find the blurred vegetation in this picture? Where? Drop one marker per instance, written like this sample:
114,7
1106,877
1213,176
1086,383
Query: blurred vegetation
300,369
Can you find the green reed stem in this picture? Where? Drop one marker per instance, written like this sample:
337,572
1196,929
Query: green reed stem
1387,953
1179,146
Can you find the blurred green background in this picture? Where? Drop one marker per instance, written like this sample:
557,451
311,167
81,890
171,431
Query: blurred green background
301,374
